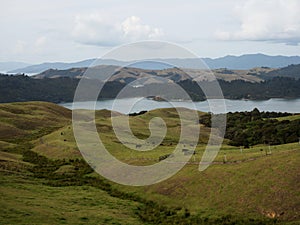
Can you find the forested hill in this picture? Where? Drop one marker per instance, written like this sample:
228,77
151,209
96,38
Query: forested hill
23,88
289,71
277,87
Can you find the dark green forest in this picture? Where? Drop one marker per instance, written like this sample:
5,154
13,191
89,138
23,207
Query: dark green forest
22,88
252,128
277,87
289,71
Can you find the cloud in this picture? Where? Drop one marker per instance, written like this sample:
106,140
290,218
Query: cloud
95,29
135,30
269,20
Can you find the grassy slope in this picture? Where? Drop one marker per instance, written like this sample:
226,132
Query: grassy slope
30,120
262,186
28,201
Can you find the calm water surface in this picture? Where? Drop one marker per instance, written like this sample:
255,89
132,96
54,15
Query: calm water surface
130,105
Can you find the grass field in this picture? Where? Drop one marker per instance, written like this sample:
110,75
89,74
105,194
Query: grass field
266,186
28,201
258,184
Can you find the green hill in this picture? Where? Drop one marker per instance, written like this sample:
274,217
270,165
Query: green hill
45,180
31,119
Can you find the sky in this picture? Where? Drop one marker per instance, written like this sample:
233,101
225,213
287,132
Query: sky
36,31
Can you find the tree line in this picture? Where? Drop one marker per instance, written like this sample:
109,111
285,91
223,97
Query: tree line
278,87
252,128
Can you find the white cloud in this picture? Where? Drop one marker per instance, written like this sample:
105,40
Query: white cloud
134,29
100,23
96,29
269,20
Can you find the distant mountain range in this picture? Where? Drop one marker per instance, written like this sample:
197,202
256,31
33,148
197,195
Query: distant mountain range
252,60
243,62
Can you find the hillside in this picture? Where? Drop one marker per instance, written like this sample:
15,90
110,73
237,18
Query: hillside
45,179
128,74
289,71
31,119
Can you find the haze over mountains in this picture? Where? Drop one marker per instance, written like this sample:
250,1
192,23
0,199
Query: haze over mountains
244,62
7,66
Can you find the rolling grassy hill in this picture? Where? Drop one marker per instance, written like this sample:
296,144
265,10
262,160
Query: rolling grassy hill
44,179
129,74
30,120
